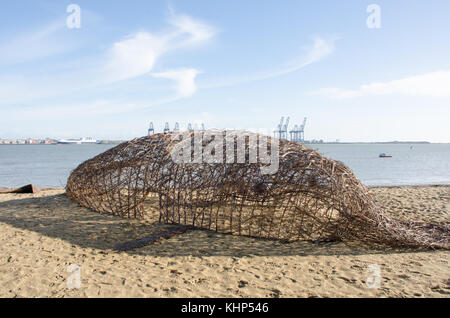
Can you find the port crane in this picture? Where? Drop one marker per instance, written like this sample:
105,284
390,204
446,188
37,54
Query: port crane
151,130
302,131
294,133
277,133
166,128
285,128
297,134
281,131
177,127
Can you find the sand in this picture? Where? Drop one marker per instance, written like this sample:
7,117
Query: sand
42,234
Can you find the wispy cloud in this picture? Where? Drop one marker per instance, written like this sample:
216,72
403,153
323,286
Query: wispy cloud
195,31
320,49
82,109
434,84
133,56
137,54
42,42
184,78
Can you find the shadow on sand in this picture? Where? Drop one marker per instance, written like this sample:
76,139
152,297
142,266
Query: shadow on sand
56,216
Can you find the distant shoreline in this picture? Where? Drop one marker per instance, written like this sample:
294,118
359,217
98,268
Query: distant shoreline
375,142
61,144
316,143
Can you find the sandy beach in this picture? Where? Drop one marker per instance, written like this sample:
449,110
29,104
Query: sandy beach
43,234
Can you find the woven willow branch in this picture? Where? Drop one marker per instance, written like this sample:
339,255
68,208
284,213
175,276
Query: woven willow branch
310,197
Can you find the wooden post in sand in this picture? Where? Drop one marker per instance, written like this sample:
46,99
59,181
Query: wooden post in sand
25,189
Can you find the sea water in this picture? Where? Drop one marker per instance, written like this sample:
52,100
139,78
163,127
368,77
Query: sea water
411,164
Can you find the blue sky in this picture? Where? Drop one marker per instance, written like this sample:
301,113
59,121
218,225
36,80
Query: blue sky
229,64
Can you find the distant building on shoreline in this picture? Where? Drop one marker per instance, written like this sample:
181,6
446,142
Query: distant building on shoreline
28,141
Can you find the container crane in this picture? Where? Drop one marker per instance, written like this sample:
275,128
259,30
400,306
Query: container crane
285,128
302,130
166,128
278,133
151,130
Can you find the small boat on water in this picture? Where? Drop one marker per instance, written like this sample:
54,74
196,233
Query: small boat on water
385,155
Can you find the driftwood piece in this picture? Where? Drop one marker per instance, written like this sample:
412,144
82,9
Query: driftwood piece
309,197
25,189
164,234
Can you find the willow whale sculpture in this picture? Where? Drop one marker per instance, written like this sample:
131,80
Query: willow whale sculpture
308,197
